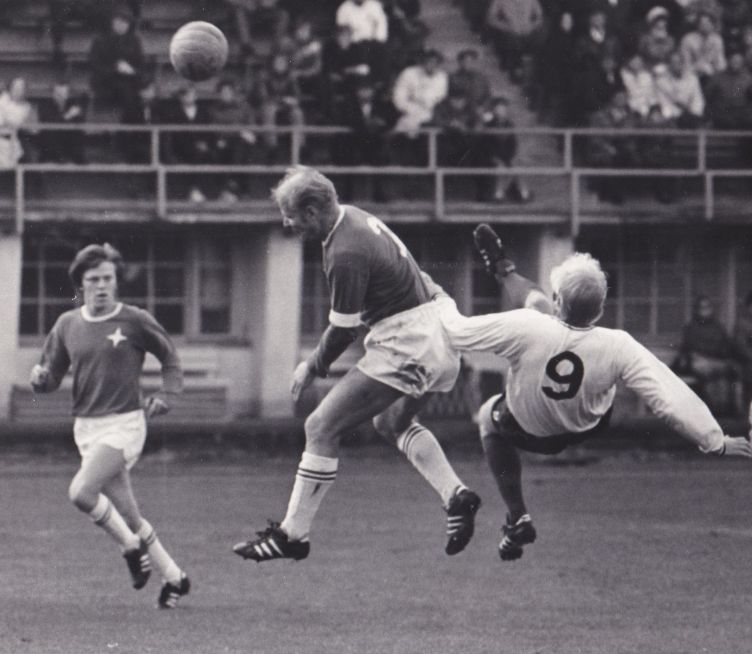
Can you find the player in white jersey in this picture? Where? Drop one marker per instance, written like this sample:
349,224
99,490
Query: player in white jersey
562,377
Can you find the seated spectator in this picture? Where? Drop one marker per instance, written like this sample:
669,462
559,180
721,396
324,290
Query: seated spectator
499,150
516,31
639,84
457,119
656,44
743,345
707,352
62,146
556,72
344,64
417,91
259,24
16,113
189,147
729,95
469,81
370,28
737,14
307,61
407,32
144,110
612,151
680,94
703,48
596,43
116,62
235,147
279,96
593,86
656,151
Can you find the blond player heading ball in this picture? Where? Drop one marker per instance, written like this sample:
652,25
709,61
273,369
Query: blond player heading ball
104,343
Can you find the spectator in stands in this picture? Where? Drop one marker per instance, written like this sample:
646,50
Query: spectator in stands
555,72
62,146
612,151
708,352
344,64
279,101
747,46
16,113
596,43
307,61
457,119
516,31
370,28
743,345
237,147
593,86
679,93
639,84
190,147
703,48
417,91
259,24
407,32
729,95
656,44
499,150
737,14
656,151
469,80
144,110
116,62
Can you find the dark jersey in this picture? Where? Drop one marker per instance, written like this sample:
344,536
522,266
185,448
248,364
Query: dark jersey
106,354
371,274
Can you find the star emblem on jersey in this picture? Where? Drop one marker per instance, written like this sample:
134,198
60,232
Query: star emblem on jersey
117,337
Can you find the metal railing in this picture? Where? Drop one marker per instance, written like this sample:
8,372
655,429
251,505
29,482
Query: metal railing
567,162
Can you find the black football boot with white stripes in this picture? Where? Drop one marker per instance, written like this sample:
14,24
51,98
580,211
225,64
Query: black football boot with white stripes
272,543
515,535
461,512
139,564
171,593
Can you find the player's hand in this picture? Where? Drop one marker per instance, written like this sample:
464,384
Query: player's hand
155,405
737,447
301,379
39,376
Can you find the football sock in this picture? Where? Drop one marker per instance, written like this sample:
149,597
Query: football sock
423,450
160,559
314,477
106,516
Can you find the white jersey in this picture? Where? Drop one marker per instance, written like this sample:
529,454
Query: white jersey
562,379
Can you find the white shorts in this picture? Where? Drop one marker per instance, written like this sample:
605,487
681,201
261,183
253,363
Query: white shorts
410,351
122,431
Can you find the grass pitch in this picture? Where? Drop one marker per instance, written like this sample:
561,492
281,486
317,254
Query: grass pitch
635,554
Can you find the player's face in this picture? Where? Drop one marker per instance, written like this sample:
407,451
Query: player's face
100,288
306,223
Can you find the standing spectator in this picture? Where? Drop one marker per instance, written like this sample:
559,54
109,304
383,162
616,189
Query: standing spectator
345,64
16,113
737,14
639,84
469,81
556,66
593,87
596,43
703,48
729,95
680,94
370,27
656,44
116,62
189,147
307,61
260,24
145,110
743,345
612,151
499,150
516,29
65,145
417,91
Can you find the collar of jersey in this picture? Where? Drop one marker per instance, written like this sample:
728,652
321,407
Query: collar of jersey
89,318
577,329
336,224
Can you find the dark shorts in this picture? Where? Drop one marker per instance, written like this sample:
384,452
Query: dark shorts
508,427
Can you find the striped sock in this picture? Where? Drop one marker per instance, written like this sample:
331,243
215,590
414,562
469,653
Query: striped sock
315,475
108,518
423,450
161,560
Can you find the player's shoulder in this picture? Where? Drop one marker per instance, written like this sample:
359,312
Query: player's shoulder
68,317
132,313
353,234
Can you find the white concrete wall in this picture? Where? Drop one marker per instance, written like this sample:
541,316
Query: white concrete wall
10,294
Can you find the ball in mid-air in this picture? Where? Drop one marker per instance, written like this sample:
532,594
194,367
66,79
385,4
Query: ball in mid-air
198,51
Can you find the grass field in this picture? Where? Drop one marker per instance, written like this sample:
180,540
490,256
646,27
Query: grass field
635,554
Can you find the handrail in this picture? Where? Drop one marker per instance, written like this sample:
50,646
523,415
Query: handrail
566,165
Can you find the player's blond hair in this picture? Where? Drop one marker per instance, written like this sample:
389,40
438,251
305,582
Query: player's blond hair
303,186
580,287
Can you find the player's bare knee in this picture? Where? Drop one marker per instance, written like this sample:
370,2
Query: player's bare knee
318,432
385,427
82,495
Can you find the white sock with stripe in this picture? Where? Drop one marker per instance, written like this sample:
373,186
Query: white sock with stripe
160,559
423,450
314,477
106,516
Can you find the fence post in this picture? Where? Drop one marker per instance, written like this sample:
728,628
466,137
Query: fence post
20,204
439,208
702,151
568,157
432,149
709,199
155,143
161,192
574,202
295,143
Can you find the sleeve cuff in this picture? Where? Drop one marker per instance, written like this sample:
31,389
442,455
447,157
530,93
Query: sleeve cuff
344,320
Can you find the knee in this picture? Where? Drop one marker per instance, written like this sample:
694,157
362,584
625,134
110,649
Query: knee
486,427
319,432
82,494
385,427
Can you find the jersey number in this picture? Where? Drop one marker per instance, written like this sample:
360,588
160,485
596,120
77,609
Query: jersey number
380,228
572,379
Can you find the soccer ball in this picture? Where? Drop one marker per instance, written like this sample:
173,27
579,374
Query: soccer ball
198,51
